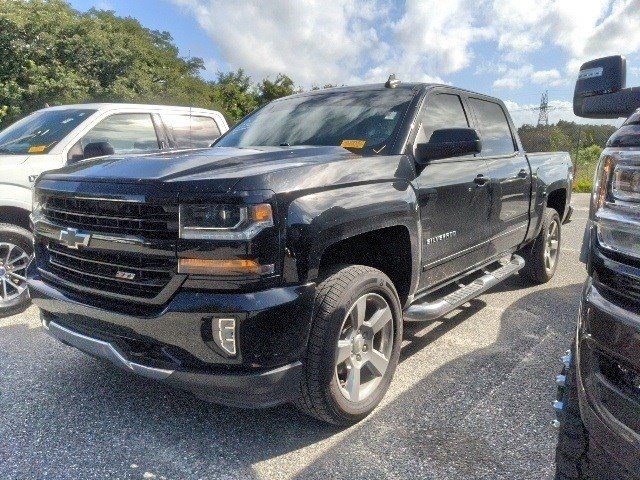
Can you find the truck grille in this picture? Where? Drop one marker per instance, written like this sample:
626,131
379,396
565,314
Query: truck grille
107,271
106,216
620,284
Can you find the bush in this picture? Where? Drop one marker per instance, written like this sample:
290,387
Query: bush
586,163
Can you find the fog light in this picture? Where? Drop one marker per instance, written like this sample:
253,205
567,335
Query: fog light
223,331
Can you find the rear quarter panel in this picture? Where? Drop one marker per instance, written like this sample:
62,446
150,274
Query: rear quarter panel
550,171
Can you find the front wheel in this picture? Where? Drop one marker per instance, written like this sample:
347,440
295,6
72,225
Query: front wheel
354,345
16,252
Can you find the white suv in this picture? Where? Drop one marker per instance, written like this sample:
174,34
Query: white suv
53,137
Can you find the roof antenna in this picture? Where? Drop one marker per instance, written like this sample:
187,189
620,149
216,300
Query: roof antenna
392,82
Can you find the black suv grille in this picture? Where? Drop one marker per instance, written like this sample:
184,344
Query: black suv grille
107,271
119,217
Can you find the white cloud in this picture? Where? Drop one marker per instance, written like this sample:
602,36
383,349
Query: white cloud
350,41
341,41
312,41
546,77
514,77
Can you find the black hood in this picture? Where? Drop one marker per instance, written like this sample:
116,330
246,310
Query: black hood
224,166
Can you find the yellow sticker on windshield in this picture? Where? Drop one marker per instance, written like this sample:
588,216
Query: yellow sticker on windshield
353,143
37,149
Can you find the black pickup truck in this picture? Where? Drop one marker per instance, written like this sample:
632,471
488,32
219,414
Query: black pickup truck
598,405
279,265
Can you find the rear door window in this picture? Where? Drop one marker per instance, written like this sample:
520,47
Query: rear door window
191,131
495,132
125,132
443,110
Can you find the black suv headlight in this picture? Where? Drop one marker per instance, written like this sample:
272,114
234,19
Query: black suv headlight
224,222
615,204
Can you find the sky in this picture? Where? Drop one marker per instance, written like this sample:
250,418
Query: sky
511,49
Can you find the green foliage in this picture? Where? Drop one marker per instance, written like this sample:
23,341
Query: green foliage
586,163
563,136
282,87
52,54
235,94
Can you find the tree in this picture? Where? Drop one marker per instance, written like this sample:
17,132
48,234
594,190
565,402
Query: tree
281,87
560,141
55,55
235,94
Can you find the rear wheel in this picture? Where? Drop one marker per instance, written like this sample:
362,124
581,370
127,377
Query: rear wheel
541,257
354,345
16,252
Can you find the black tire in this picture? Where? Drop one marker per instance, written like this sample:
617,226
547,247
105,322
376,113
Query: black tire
577,456
320,394
536,269
18,236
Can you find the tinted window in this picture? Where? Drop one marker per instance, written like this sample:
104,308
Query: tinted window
126,132
190,131
365,120
41,131
442,111
494,128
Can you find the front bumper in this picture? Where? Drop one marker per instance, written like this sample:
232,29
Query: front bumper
608,359
175,345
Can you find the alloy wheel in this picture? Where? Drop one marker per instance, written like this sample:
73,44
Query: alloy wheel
551,246
364,347
14,262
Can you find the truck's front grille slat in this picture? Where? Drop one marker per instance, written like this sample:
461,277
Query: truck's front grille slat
115,272
103,216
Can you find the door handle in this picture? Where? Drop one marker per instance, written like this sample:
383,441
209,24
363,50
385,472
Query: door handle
523,173
480,180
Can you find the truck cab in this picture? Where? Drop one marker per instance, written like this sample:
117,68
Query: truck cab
53,137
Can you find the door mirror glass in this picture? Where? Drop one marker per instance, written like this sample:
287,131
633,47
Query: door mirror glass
97,149
447,143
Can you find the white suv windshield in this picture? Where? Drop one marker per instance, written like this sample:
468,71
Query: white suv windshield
40,131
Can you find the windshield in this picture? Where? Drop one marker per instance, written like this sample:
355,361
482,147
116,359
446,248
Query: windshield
40,131
353,119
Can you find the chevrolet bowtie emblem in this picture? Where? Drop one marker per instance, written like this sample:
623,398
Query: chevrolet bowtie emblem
72,238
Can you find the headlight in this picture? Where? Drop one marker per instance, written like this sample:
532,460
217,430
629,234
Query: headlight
616,202
224,222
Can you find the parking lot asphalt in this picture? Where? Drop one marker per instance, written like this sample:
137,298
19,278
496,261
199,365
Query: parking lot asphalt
470,399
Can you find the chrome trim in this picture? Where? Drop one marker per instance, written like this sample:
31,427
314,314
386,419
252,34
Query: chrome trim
431,310
162,297
102,349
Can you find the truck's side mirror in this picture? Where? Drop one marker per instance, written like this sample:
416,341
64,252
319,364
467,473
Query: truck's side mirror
97,149
447,143
601,89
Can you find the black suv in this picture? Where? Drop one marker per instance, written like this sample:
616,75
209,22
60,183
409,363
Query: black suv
598,406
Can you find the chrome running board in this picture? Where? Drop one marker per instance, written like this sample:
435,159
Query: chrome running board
420,312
